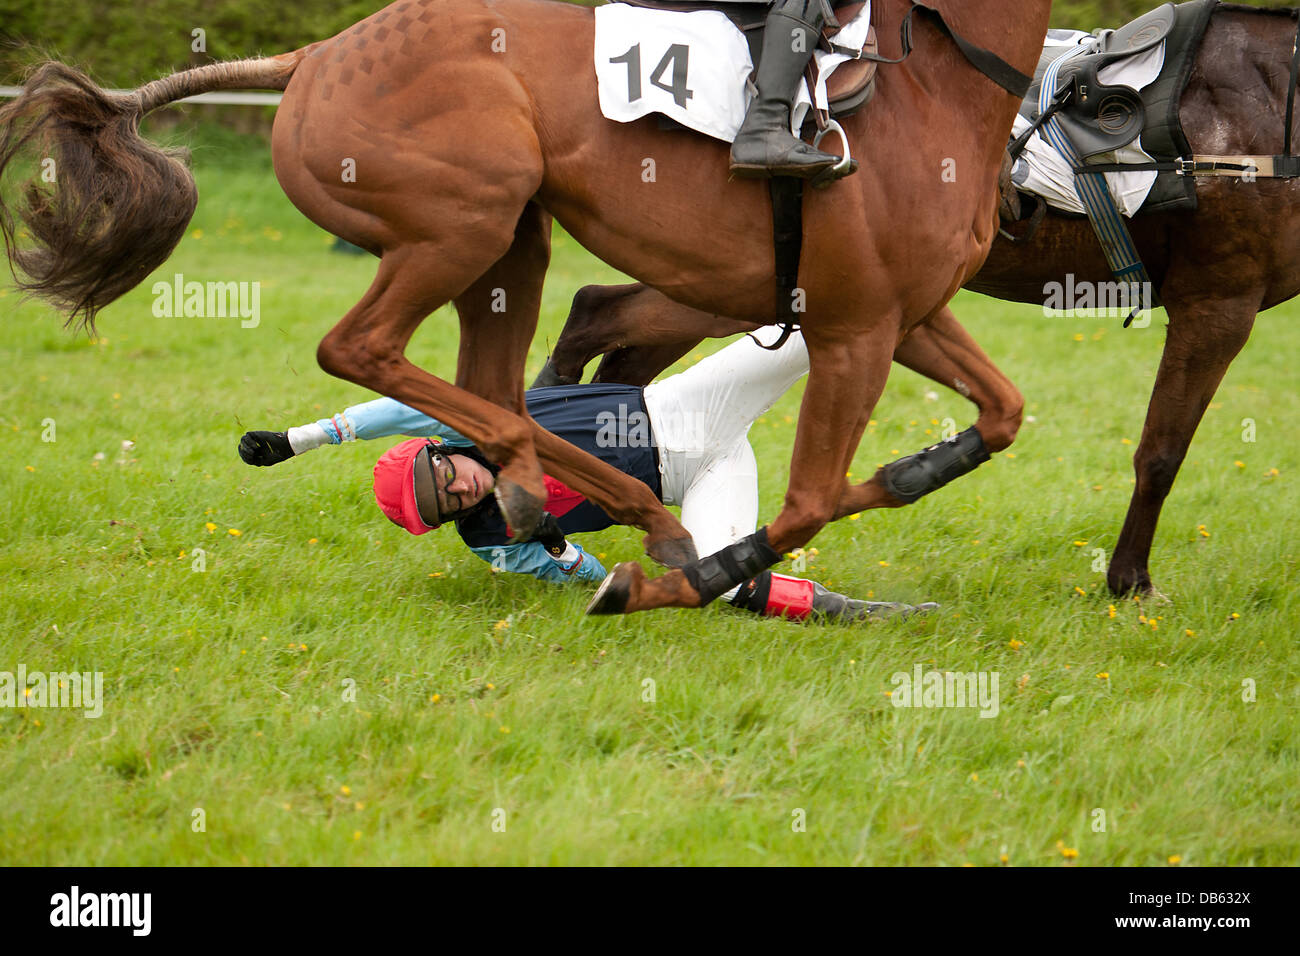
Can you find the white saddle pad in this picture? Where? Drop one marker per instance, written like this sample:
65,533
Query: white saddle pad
691,67
1043,171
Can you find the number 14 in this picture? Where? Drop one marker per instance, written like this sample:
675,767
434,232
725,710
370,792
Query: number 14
678,56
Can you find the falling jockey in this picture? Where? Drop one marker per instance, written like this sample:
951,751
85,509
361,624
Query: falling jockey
686,437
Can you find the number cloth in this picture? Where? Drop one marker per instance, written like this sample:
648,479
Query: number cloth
691,67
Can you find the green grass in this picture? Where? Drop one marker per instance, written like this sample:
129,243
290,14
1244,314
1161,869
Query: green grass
226,688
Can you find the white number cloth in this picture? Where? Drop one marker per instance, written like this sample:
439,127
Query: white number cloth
638,53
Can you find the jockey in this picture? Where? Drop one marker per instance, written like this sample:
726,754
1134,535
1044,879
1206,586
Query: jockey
685,437
765,147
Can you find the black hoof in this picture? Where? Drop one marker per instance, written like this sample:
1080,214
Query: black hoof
521,510
548,377
613,594
1126,583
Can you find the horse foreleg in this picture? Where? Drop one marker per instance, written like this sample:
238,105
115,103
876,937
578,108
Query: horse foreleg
638,330
368,346
498,316
1203,339
943,351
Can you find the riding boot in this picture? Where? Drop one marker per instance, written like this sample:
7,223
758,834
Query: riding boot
838,607
765,147
779,595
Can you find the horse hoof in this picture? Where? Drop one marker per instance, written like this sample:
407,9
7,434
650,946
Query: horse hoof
548,377
521,510
1124,583
672,552
615,591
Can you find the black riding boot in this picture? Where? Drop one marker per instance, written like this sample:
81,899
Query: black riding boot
764,147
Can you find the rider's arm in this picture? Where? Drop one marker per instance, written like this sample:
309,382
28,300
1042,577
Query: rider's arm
530,557
380,418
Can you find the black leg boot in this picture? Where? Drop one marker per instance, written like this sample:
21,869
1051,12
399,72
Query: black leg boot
764,147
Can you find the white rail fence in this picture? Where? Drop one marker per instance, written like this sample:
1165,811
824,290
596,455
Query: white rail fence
218,99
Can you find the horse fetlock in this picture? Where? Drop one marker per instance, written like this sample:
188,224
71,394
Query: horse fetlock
626,589
675,551
1124,578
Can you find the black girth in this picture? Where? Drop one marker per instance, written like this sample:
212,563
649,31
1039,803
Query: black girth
1290,102
787,193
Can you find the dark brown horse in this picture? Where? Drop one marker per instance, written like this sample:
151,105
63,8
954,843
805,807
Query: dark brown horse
441,135
1216,267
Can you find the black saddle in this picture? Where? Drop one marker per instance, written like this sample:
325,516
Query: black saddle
1100,118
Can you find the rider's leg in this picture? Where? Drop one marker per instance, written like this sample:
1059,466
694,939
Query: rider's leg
765,146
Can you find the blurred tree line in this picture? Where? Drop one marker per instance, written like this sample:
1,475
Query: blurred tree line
124,43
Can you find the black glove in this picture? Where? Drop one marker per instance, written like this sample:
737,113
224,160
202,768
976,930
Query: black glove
265,448
549,534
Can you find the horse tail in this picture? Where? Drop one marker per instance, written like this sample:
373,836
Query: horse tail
108,206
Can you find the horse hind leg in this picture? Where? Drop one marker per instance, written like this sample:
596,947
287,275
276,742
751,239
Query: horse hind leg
596,323
943,351
847,373
1204,337
638,330
368,345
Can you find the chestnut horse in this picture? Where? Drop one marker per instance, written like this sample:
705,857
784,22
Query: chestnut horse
441,135
1216,267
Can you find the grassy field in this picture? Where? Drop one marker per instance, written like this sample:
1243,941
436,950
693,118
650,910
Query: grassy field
328,689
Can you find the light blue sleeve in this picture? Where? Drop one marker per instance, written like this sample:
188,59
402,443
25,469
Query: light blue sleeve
529,557
385,417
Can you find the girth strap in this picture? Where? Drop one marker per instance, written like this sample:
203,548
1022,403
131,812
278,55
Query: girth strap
787,237
1290,90
1245,167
